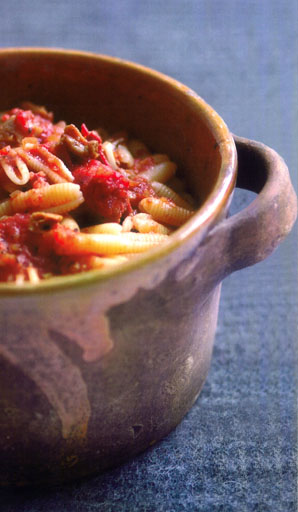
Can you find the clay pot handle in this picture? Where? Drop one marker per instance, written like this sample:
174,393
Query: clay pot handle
252,234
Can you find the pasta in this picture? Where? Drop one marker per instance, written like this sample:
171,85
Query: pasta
164,210
73,200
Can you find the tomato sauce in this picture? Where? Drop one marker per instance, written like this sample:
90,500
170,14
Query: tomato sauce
19,123
105,191
22,246
139,188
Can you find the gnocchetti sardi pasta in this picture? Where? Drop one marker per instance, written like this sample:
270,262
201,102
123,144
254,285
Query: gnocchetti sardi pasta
73,200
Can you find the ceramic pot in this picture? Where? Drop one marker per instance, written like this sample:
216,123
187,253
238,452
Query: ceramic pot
94,368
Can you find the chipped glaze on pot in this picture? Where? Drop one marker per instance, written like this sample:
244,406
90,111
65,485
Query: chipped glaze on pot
97,367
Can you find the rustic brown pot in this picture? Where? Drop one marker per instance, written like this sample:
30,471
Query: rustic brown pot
96,367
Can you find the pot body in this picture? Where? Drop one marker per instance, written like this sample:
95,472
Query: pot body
97,379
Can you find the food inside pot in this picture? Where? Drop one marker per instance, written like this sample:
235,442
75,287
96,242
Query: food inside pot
74,199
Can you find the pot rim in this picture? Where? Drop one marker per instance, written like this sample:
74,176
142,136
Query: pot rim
199,222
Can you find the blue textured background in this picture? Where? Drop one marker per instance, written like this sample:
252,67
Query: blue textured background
237,448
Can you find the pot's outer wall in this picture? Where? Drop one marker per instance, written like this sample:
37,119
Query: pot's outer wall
68,412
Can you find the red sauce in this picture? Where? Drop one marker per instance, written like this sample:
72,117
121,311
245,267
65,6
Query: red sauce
5,151
38,180
22,247
143,164
32,125
138,189
19,123
105,190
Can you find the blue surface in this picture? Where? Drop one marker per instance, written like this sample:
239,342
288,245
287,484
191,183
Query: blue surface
237,448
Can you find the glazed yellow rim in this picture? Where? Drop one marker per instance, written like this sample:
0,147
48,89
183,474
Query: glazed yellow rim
201,220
